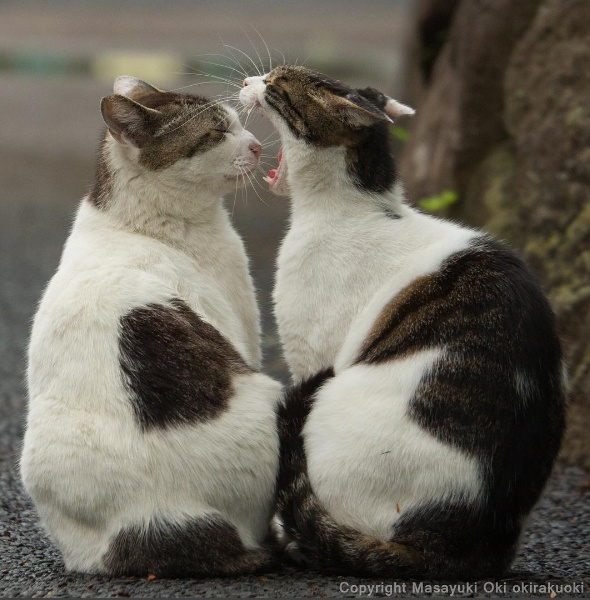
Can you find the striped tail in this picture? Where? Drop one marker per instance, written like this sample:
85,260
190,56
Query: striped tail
326,544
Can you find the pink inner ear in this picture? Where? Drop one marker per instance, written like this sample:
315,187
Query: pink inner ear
394,109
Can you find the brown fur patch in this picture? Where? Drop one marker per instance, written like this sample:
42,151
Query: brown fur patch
177,368
187,125
102,186
196,547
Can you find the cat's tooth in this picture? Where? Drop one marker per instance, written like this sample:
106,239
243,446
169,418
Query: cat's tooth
267,179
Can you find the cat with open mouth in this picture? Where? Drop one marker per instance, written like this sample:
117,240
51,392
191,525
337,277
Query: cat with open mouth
428,399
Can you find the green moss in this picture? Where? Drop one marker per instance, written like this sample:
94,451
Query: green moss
581,370
579,227
488,189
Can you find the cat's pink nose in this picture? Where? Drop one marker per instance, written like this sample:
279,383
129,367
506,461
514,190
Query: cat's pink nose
245,84
256,149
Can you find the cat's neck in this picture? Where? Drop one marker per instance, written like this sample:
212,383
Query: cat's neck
151,202
321,188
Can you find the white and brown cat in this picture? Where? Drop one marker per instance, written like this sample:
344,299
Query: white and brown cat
429,398
151,443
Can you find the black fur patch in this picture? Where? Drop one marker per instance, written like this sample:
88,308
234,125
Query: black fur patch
390,213
177,368
102,186
196,547
496,394
370,160
291,419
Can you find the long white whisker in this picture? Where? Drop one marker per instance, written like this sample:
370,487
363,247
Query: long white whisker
239,68
232,58
266,46
254,188
255,49
267,140
242,52
222,79
236,193
207,62
282,55
183,87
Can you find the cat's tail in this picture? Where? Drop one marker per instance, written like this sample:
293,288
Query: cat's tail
322,541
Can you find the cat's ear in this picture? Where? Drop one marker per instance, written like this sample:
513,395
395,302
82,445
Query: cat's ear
128,121
350,112
394,109
129,86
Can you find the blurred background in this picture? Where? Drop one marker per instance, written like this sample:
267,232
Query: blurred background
58,58
501,139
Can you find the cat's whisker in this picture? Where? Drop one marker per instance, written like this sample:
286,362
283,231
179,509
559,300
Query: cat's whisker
218,78
266,46
213,76
203,108
282,55
242,52
232,56
255,50
195,84
207,62
236,193
303,63
238,64
248,114
268,141
254,188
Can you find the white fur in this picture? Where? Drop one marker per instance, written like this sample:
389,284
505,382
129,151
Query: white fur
367,458
340,263
85,462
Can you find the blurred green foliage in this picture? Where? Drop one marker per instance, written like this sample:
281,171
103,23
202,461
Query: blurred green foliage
439,201
401,133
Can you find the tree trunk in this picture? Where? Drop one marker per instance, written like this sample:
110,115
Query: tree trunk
504,120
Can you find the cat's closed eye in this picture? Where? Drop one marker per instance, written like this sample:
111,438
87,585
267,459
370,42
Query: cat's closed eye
212,134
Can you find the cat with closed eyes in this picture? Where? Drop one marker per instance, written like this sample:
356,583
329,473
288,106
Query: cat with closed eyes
428,404
151,442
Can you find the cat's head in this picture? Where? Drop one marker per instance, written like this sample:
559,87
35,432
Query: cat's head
314,112
181,137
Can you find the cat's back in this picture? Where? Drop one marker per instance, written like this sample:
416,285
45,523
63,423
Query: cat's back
103,274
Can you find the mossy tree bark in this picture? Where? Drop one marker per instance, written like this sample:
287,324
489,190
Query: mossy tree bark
504,119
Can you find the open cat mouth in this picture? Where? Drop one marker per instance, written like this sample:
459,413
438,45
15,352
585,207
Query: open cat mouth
274,175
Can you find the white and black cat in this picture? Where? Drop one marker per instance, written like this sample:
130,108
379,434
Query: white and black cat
429,404
151,443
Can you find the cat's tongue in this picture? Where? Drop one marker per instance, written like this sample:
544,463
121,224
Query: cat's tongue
273,174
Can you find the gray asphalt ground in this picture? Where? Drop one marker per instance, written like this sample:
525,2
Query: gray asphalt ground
48,132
